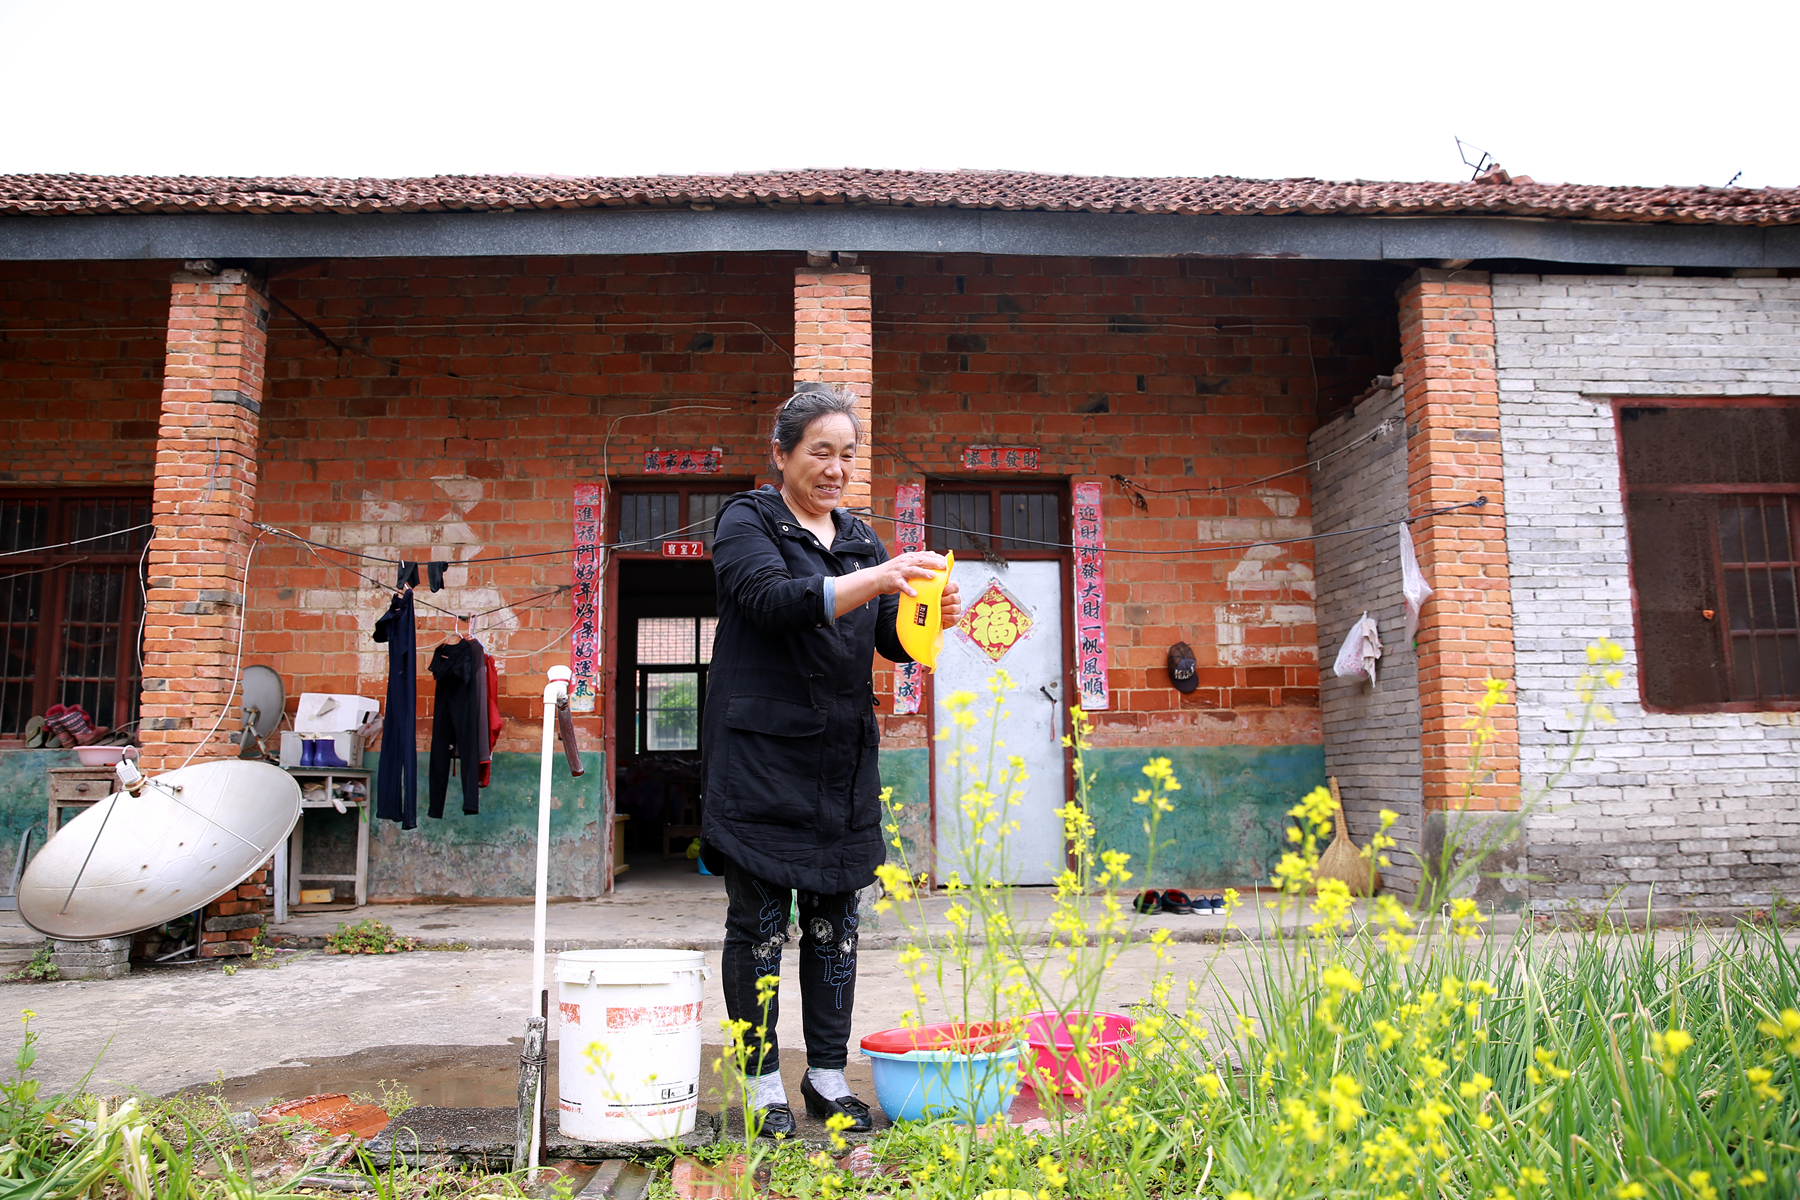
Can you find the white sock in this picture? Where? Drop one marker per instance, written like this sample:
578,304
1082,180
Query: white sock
829,1084
766,1090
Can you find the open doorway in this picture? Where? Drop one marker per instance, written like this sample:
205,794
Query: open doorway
667,612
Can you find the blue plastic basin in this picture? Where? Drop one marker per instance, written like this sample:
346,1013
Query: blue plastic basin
921,1085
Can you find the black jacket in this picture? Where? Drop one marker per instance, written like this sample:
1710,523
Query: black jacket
789,740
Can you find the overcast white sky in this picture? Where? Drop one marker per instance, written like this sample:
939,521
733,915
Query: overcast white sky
1649,92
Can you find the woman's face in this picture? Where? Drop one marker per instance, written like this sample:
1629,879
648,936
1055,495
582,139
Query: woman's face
816,472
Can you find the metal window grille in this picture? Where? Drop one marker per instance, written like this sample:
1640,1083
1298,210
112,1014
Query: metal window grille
1712,504
703,509
962,521
1758,562
647,518
70,605
1029,520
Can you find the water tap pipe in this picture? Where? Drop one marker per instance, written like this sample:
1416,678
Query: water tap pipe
555,692
556,689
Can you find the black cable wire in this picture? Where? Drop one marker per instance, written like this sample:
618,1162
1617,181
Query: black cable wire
1123,481
1017,543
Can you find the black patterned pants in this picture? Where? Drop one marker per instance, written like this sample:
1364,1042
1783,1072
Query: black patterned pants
756,921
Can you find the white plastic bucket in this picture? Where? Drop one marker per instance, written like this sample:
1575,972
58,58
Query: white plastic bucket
629,1026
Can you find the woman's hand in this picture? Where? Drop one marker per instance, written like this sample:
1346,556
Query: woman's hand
897,574
951,604
895,577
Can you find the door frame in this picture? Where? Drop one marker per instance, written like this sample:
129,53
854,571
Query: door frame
608,705
1060,486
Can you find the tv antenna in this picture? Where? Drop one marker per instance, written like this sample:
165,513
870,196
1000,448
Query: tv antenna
1479,166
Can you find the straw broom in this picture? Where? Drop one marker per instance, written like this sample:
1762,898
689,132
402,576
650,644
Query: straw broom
1343,859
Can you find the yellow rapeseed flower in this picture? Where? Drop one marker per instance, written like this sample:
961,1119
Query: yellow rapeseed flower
1786,1031
1759,1083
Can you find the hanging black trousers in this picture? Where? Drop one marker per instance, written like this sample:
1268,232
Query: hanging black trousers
397,778
458,722
756,920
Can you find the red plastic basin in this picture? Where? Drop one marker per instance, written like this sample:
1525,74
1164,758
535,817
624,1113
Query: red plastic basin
1055,1061
981,1037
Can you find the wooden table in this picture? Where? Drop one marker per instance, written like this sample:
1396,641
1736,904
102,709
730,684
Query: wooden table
76,787
289,868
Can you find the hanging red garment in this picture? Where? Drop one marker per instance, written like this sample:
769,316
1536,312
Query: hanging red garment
494,719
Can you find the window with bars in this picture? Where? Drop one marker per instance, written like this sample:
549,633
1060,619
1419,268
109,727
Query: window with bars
1712,503
71,591
672,657
1030,522
647,519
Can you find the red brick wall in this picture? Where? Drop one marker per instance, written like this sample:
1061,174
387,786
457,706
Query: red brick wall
468,397
199,556
81,370
832,338
1013,350
1453,457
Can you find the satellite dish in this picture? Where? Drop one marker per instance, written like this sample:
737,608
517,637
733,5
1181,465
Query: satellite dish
264,702
131,862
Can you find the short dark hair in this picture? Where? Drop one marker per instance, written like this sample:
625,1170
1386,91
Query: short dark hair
807,405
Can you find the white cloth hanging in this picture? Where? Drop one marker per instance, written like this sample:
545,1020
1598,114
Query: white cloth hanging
1412,583
1357,658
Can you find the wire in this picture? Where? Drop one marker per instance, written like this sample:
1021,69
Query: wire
42,570
1377,432
99,537
236,667
1016,543
315,547
491,558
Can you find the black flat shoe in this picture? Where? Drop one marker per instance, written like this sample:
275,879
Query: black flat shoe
1176,901
820,1107
777,1122
1149,902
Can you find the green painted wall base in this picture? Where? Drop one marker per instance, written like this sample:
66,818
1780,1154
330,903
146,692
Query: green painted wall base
25,799
1230,820
490,854
908,773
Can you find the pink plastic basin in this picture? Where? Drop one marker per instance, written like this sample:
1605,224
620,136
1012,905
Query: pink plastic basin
1055,1062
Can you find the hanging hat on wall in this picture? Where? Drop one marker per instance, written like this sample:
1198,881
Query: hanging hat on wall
1181,667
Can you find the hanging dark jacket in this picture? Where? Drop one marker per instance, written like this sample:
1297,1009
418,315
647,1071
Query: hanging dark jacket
789,739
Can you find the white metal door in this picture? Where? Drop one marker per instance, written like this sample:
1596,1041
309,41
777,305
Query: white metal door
1012,621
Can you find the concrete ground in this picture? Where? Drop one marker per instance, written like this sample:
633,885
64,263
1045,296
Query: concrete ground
445,1022
440,1020
164,1029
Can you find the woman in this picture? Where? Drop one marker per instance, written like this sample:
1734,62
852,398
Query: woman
807,594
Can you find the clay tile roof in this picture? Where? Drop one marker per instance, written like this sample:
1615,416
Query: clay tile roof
1006,190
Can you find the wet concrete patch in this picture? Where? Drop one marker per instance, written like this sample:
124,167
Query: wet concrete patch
463,1099
434,1076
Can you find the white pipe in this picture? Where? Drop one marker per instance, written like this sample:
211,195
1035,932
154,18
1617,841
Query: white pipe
556,689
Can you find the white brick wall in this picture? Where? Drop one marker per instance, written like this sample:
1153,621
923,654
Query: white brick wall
1371,732
1705,808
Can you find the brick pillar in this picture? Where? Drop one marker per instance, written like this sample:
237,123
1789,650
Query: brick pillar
834,343
205,492
1453,456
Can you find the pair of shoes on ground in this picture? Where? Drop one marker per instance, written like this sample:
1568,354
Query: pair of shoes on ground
778,1119
1177,901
